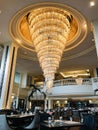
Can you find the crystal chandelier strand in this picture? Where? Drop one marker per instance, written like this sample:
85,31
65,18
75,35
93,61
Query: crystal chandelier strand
45,39
53,13
49,22
54,44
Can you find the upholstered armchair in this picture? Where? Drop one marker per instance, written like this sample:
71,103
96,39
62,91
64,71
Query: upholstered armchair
3,123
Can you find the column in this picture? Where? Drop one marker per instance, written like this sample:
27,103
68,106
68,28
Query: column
23,80
95,32
50,104
96,72
46,104
8,65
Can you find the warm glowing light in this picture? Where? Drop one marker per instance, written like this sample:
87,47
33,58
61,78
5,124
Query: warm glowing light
90,101
92,3
57,101
74,74
85,25
66,102
49,28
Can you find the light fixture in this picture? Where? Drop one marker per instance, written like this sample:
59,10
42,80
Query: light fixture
66,102
90,101
92,3
57,101
76,73
49,29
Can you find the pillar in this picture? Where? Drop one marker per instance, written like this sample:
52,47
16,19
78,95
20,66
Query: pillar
95,32
96,72
7,71
46,103
49,104
23,80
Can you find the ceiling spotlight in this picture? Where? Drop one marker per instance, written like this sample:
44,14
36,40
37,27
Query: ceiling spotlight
92,3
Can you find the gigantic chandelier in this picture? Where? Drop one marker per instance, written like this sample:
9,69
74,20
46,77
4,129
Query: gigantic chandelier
49,29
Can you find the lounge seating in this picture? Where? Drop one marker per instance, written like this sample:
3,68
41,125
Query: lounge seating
34,125
44,116
3,123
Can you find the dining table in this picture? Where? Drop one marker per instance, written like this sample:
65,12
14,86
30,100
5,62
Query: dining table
60,125
19,120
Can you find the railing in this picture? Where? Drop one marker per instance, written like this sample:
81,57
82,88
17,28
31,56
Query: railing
73,81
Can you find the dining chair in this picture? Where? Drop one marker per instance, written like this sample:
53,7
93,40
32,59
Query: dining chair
89,122
3,123
75,115
44,116
34,125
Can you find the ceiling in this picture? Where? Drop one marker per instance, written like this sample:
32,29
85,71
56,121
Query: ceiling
80,58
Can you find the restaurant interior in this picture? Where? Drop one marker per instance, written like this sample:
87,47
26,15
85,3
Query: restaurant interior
49,65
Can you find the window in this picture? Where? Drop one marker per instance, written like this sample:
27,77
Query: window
17,78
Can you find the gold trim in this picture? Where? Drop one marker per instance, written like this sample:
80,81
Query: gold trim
15,25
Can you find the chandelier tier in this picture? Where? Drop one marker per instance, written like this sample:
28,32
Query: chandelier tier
49,29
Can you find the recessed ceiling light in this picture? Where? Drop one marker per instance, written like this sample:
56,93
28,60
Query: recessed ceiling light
85,25
92,3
